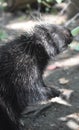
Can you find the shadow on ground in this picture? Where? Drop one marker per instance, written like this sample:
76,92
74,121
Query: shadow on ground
60,113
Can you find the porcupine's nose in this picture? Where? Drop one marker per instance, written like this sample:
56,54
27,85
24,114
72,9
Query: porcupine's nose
68,35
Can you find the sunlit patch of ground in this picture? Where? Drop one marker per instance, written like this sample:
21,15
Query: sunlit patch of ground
72,121
70,62
24,25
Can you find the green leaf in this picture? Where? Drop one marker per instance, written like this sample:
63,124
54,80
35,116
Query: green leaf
74,46
49,0
47,9
39,1
75,31
59,1
3,35
77,48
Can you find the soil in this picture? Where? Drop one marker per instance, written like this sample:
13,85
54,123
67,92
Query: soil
60,113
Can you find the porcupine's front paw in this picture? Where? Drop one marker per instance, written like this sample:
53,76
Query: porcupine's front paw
52,92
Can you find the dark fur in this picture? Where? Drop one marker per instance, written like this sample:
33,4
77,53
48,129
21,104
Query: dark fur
22,63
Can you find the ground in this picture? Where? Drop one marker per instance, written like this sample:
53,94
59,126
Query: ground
60,113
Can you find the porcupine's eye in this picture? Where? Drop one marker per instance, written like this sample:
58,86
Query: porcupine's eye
61,38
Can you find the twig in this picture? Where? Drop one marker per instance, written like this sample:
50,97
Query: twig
71,20
46,4
62,11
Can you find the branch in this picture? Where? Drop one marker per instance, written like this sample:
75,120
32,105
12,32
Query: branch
71,20
65,8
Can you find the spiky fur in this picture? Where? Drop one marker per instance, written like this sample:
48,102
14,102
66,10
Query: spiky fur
22,63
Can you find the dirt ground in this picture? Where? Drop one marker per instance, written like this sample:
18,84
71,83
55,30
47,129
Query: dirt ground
60,113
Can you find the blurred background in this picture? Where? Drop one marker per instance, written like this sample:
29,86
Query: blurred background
17,15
